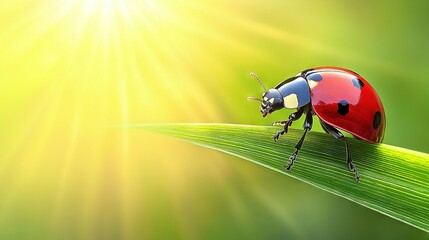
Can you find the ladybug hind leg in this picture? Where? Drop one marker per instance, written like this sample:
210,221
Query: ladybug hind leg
338,135
308,123
287,123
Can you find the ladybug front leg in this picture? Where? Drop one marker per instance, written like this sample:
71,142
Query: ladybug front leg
286,124
308,124
338,135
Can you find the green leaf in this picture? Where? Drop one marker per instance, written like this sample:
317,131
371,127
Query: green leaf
394,181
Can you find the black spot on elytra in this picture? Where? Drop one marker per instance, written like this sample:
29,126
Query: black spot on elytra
358,83
377,120
315,77
343,107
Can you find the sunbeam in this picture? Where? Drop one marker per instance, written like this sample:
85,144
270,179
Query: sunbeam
75,73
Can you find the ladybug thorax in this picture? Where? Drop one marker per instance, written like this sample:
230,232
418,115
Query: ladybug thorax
295,92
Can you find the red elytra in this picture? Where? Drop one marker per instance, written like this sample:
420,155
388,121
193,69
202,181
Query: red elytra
365,118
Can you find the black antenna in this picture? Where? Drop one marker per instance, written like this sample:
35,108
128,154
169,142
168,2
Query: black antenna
255,76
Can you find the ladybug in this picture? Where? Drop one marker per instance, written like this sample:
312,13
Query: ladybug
341,98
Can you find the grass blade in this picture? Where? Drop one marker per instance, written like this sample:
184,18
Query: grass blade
394,181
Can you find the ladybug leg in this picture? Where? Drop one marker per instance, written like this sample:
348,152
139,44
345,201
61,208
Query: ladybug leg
338,135
324,128
286,124
308,123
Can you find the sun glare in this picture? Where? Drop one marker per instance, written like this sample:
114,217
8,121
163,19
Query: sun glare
83,65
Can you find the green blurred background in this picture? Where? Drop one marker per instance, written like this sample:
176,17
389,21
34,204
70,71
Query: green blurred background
72,70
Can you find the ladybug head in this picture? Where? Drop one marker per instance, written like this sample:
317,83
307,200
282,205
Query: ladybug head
271,100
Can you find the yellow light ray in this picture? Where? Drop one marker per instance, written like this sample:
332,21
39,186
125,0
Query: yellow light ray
115,62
